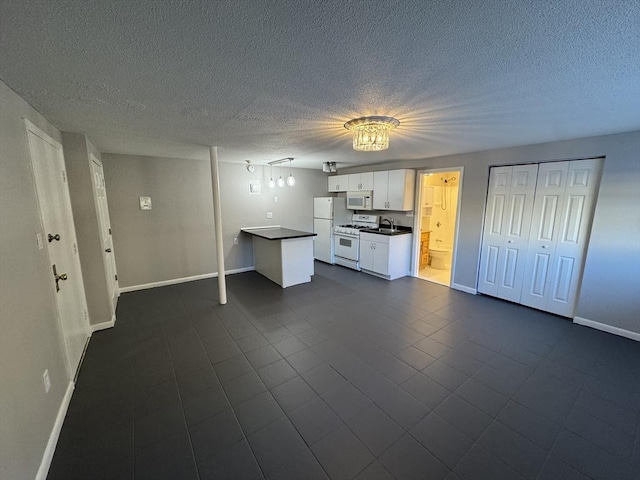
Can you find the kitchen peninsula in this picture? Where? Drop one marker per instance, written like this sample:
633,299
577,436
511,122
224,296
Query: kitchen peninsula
283,255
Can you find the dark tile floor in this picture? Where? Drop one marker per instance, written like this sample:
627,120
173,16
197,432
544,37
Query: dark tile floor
348,377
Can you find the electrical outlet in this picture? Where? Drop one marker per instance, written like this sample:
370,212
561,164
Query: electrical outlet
269,214
235,241
46,380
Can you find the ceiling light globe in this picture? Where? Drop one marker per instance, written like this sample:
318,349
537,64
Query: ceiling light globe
291,181
280,182
271,183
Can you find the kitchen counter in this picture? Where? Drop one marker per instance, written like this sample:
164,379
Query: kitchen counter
388,231
277,233
283,255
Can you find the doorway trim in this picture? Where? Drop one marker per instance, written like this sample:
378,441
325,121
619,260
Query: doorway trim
415,251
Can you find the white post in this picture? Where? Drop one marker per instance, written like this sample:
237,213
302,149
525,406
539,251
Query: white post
217,224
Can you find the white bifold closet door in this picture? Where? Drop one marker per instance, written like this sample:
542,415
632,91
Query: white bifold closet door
562,214
506,233
537,223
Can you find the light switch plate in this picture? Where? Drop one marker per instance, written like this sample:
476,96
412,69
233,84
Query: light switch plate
145,203
269,214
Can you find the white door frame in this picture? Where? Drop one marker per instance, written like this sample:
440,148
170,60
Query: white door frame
78,282
417,218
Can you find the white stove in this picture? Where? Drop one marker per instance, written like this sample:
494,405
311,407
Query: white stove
347,240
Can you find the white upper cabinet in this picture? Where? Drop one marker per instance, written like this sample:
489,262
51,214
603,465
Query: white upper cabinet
361,182
394,190
338,183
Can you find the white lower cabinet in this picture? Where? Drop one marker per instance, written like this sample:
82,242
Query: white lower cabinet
386,256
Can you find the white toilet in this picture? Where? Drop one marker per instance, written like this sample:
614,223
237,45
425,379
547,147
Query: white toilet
440,257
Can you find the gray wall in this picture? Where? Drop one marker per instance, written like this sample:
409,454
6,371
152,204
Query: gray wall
176,238
77,148
611,279
30,340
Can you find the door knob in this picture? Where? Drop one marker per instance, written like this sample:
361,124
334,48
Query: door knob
58,278
108,250
509,241
55,237
545,246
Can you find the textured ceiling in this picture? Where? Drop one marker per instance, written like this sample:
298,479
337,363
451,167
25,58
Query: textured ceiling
269,79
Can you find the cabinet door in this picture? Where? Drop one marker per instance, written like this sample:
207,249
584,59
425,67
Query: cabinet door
380,190
366,254
396,190
366,181
354,182
338,183
381,258
563,210
506,230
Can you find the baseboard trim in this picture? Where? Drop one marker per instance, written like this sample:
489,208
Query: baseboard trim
175,281
47,457
104,325
607,328
462,288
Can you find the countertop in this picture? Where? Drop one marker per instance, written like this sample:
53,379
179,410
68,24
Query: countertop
400,230
277,233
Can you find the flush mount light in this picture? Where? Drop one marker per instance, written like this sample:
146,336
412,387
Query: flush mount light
371,134
329,167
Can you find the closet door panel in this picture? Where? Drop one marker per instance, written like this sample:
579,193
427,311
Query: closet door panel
517,227
493,236
575,220
549,197
506,230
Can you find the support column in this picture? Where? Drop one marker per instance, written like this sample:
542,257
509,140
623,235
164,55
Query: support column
217,223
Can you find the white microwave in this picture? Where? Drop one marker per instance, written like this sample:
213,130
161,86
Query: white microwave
359,201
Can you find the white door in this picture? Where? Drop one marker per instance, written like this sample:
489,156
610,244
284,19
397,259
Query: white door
506,230
323,241
60,238
105,233
563,210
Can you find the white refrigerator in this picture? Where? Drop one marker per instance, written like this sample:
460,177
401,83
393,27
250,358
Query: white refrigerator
327,213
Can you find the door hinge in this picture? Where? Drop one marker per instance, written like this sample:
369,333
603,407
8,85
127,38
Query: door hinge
75,248
109,231
64,176
116,277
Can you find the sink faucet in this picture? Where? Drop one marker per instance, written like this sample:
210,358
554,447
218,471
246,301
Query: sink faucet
390,221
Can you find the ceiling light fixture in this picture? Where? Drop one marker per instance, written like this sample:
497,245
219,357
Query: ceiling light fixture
371,134
329,167
271,183
291,181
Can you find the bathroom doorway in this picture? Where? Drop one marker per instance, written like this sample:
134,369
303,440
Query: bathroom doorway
437,224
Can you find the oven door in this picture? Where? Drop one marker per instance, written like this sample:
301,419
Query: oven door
347,246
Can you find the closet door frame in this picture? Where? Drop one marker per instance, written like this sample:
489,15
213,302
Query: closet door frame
550,272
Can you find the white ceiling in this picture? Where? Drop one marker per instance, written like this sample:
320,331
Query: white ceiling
269,79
